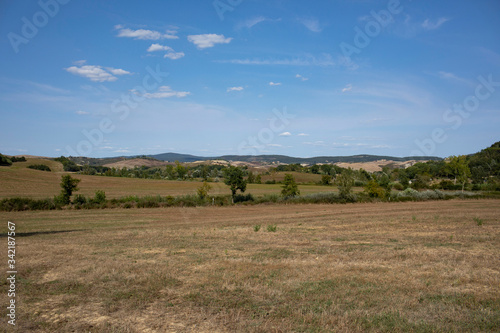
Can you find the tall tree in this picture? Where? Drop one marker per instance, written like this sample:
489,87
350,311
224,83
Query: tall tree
458,166
68,185
234,179
289,188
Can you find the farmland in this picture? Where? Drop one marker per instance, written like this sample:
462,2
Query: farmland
420,266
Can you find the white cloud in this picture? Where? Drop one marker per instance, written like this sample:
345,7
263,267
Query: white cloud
298,76
429,25
274,145
81,113
208,40
347,88
79,62
164,92
235,89
97,73
286,134
274,83
145,34
251,22
158,47
174,55
311,24
315,143
171,54
302,134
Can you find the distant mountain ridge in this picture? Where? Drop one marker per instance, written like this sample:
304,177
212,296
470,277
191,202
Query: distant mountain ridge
186,158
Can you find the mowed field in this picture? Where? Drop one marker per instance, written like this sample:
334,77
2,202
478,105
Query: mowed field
18,181
386,267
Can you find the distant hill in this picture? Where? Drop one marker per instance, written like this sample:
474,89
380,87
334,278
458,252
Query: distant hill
268,159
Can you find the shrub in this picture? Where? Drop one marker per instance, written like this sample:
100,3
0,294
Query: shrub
374,190
41,167
18,159
289,188
399,187
100,197
272,228
243,198
256,228
4,160
478,221
79,199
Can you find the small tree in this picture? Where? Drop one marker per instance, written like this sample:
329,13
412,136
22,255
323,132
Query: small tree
289,188
345,181
251,178
325,180
258,179
68,185
203,190
234,179
459,168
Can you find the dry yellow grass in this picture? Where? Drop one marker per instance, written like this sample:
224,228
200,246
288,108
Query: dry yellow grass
401,267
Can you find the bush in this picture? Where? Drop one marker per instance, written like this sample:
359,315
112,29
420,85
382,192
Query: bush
272,228
399,187
256,228
79,199
271,181
41,167
100,197
243,198
374,190
4,160
18,159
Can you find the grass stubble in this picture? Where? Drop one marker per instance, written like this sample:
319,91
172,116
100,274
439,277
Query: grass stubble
402,267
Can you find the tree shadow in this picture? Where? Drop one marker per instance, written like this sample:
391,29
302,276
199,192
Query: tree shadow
35,233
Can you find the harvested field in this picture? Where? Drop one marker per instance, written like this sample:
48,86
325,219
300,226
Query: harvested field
400,267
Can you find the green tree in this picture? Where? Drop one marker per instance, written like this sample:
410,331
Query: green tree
68,185
258,179
251,178
459,168
233,177
289,188
374,190
180,170
4,160
325,179
345,181
203,190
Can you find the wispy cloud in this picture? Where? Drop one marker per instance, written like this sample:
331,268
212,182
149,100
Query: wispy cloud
302,134
298,76
174,55
251,22
311,23
208,40
145,34
274,84
452,77
97,73
324,60
81,113
164,92
286,134
432,25
347,88
234,89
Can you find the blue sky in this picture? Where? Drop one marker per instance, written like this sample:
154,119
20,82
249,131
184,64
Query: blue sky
301,78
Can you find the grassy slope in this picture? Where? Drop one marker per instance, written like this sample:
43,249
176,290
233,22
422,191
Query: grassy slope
421,267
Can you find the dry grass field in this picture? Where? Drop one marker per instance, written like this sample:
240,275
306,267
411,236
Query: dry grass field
18,181
400,267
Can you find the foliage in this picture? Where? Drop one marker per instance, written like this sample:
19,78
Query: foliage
272,228
478,221
68,164
41,167
18,159
68,185
234,179
203,190
256,227
100,197
459,168
325,180
345,182
374,190
4,160
289,188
